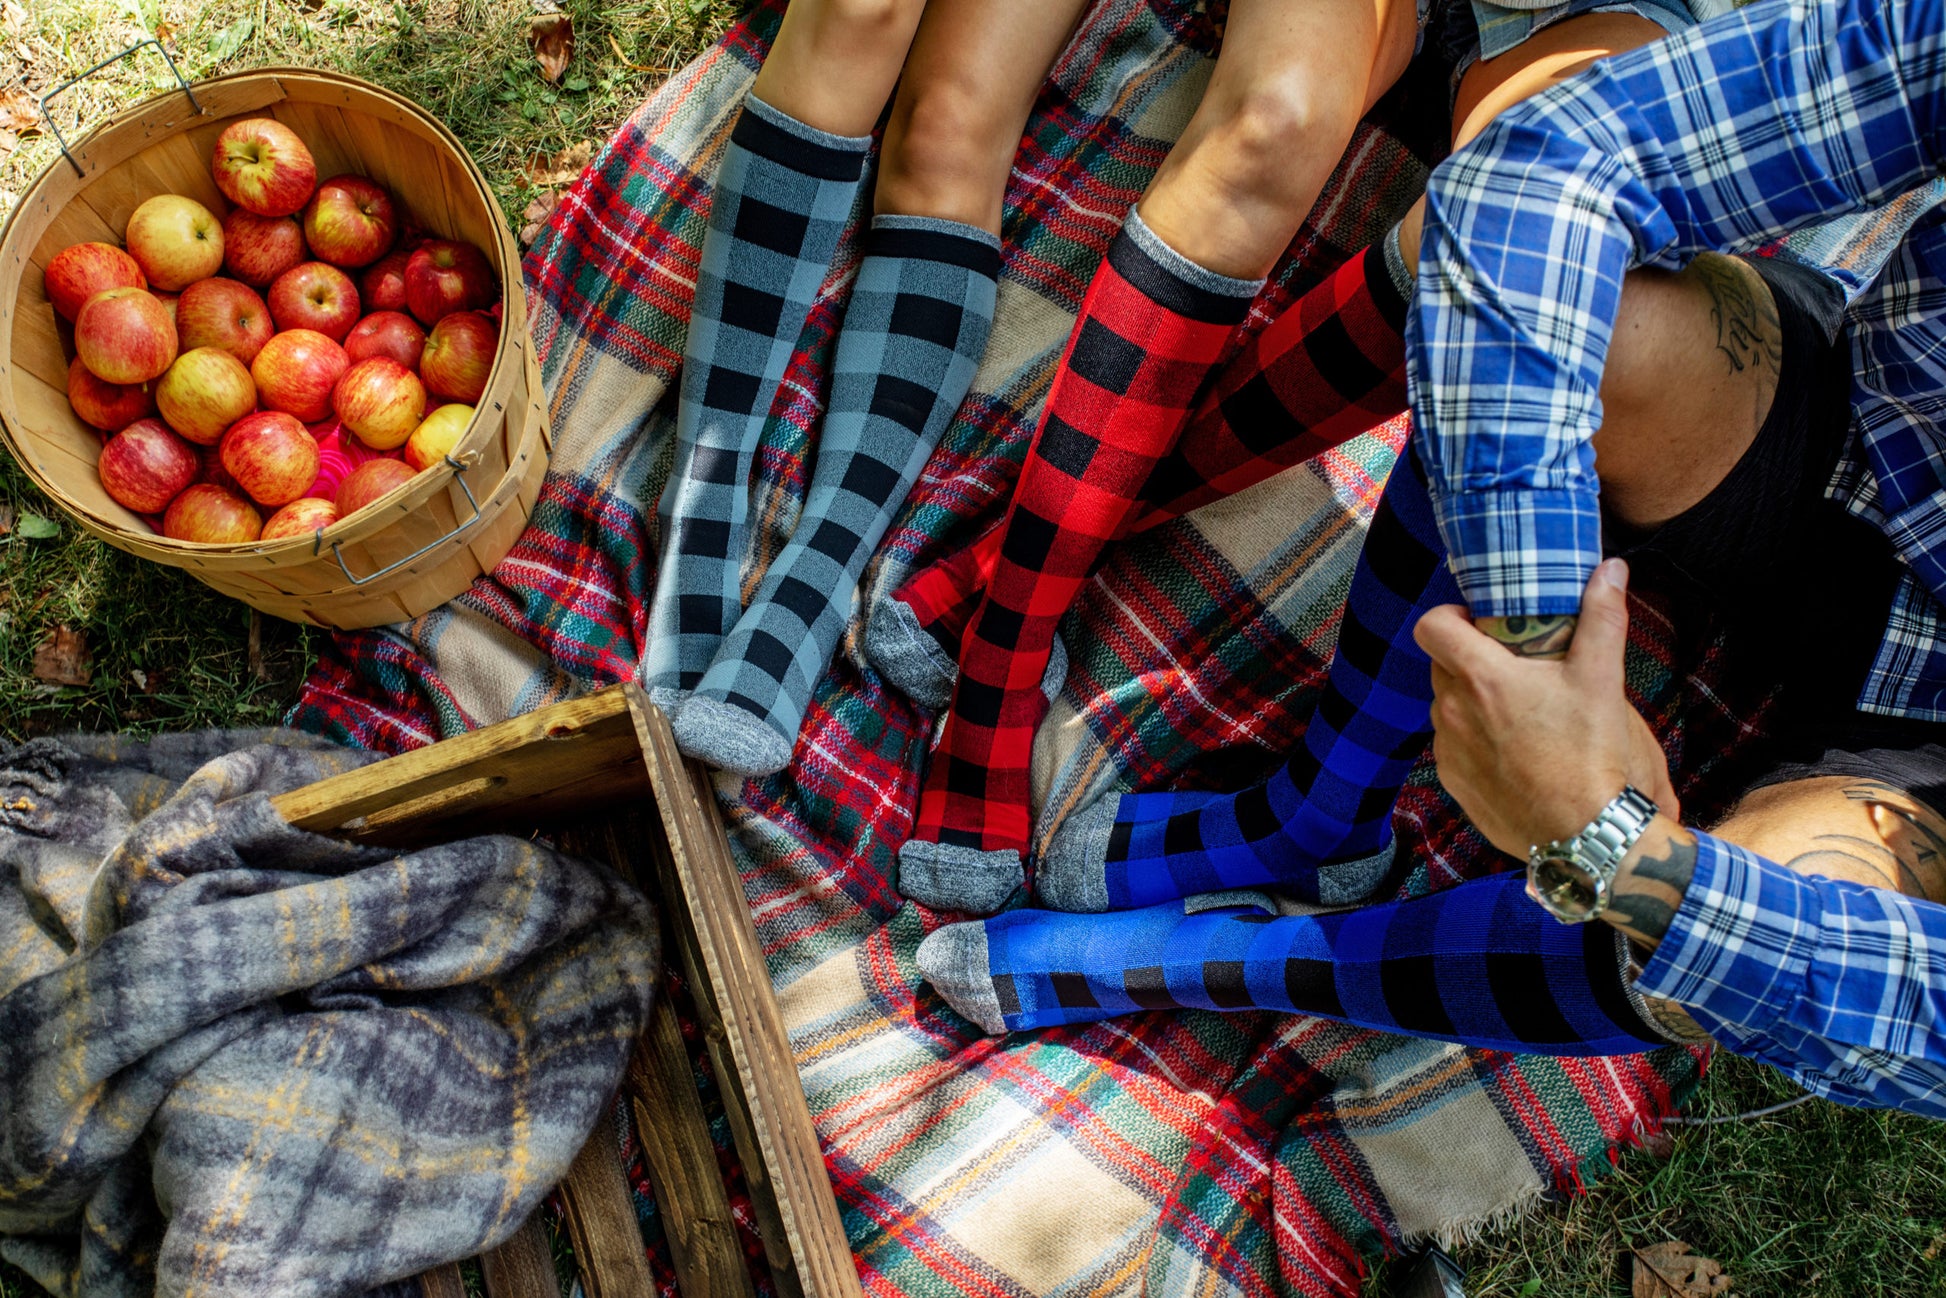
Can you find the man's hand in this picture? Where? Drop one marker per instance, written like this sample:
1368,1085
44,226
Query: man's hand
1533,749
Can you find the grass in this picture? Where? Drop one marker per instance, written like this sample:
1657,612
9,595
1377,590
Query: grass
1817,1202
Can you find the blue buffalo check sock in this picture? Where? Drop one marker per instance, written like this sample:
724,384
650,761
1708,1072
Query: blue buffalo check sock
1479,964
781,201
1321,827
912,338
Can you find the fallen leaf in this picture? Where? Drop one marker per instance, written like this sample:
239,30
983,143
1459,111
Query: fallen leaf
228,41
14,16
552,36
1658,1144
35,528
536,215
8,142
1670,1270
18,112
561,167
6,519
62,658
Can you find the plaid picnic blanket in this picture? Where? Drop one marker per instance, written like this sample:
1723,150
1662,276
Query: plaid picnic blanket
1177,1153
239,1059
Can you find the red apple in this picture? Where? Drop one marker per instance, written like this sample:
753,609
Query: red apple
124,335
175,240
459,356
78,273
349,221
382,286
387,333
223,313
436,436
379,400
257,249
302,517
272,456
204,392
206,512
370,481
110,407
262,167
442,277
169,301
315,296
296,371
145,466
213,471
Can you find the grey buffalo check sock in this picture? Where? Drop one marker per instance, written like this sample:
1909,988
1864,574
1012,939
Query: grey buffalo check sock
782,198
912,338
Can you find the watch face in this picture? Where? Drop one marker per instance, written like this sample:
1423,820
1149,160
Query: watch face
1564,887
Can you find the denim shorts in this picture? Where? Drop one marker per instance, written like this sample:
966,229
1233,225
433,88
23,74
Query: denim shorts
1467,31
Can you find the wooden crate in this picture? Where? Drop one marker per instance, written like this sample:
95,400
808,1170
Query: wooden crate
603,774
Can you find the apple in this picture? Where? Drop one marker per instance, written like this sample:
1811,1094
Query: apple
338,454
125,336
175,240
79,272
296,371
380,400
434,439
302,517
204,392
257,249
262,167
349,221
223,313
459,356
370,481
214,472
442,277
272,456
315,296
382,286
145,466
387,333
110,407
169,301
206,512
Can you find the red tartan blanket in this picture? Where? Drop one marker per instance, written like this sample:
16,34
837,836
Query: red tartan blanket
1196,1152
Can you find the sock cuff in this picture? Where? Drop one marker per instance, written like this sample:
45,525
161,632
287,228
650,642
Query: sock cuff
934,238
774,134
1399,275
1174,281
1387,298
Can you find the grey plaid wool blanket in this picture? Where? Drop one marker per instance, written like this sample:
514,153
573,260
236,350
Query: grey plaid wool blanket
237,1058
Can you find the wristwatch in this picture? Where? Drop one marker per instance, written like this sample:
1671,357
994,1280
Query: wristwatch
1570,878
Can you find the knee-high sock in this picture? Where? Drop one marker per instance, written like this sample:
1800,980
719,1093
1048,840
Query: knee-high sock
1479,964
1329,367
1152,324
780,203
912,338
1321,827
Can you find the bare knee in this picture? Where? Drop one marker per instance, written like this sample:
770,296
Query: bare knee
870,24
1273,144
948,150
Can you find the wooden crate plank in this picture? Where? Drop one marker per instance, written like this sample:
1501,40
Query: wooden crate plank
523,1267
601,1222
442,1282
785,1143
521,773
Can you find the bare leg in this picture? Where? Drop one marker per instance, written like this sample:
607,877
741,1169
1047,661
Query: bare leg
969,85
834,62
1291,82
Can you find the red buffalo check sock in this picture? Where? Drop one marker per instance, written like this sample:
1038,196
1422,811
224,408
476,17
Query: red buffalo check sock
1329,367
1152,324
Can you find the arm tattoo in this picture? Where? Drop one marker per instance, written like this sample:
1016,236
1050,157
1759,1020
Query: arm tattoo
1649,890
1531,637
1748,331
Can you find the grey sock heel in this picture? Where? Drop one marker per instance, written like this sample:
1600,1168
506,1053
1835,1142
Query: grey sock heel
946,876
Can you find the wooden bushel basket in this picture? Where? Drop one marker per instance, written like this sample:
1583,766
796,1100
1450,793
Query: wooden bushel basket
397,558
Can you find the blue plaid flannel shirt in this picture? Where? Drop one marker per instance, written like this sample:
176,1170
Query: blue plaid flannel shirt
1841,986
1775,118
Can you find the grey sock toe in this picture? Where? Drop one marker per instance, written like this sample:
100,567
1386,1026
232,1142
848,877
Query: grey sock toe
1346,883
946,876
669,699
954,960
905,655
729,738
1071,873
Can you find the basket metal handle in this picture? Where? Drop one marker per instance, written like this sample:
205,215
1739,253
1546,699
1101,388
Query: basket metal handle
337,547
48,98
